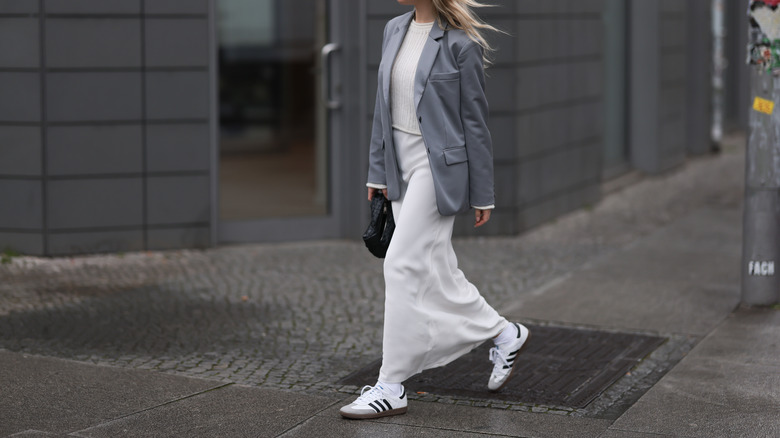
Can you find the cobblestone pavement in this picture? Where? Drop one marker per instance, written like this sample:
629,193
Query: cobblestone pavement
301,316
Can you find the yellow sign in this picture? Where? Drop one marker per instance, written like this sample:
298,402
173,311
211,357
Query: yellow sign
763,105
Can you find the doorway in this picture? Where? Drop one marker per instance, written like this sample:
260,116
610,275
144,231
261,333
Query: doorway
274,175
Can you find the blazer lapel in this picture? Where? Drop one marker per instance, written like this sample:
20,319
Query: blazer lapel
424,66
391,51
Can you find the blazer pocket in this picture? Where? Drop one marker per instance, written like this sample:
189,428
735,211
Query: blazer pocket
444,76
455,155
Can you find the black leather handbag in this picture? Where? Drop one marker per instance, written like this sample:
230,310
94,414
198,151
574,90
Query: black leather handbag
380,229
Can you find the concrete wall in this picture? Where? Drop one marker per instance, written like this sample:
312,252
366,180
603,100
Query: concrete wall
104,125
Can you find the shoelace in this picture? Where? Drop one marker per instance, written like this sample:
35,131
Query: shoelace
497,358
371,395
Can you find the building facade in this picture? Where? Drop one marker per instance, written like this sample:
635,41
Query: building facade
157,124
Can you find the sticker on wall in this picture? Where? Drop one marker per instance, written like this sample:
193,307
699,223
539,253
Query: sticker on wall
764,42
762,269
763,105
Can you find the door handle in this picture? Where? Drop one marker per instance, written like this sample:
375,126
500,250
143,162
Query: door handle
327,49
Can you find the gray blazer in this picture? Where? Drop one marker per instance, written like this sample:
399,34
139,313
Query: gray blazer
452,110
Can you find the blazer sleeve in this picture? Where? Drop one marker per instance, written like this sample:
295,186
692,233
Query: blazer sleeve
474,116
376,157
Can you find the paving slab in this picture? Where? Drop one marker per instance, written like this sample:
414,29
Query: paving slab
486,420
616,433
233,411
662,283
720,389
36,434
319,427
749,336
60,396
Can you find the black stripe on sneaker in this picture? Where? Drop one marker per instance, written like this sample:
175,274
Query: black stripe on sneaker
403,394
387,403
518,329
376,408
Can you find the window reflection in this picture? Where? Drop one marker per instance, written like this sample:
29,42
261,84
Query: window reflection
269,142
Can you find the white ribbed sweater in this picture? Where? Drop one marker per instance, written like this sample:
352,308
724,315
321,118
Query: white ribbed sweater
402,110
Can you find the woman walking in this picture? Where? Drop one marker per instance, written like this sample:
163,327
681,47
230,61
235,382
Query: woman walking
431,155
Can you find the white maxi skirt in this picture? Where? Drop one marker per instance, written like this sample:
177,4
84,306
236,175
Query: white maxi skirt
433,315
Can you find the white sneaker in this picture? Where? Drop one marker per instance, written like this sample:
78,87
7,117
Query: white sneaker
504,358
374,403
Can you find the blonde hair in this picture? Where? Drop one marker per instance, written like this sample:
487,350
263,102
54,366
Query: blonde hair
459,15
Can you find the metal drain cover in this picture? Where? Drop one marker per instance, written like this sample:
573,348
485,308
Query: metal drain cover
561,366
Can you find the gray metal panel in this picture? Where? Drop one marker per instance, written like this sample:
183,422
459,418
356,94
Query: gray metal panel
177,199
73,150
94,96
88,203
20,43
92,6
585,37
672,103
18,6
537,214
504,44
673,68
20,150
183,147
21,204
23,243
700,68
93,42
177,95
386,7
176,6
95,242
20,97
672,6
673,32
173,238
375,28
644,62
500,89
502,131
176,42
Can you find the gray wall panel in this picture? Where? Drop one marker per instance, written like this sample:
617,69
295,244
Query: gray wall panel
177,95
18,6
174,238
183,147
20,97
386,8
89,203
94,96
93,42
19,43
74,150
92,6
176,42
177,199
20,150
176,6
502,131
21,204
24,243
500,89
96,242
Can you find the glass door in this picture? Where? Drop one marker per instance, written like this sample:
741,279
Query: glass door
273,172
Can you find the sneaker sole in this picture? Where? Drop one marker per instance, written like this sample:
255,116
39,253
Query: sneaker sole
351,416
514,365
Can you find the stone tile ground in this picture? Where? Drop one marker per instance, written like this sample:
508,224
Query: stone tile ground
301,316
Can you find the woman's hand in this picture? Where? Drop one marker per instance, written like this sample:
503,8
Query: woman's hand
372,190
481,216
